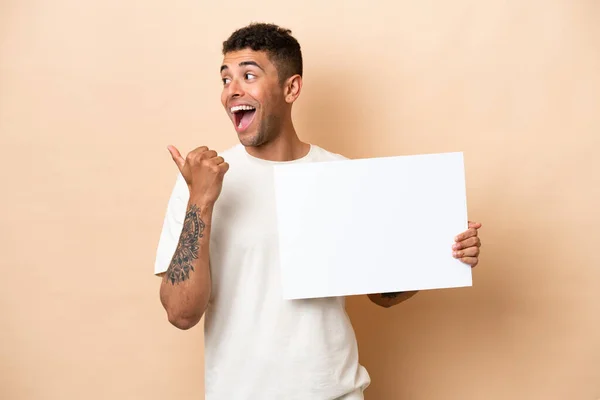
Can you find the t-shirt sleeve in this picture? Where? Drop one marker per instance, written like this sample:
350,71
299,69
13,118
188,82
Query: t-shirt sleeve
172,225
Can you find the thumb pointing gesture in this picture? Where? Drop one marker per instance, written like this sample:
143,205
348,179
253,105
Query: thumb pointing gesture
180,161
203,171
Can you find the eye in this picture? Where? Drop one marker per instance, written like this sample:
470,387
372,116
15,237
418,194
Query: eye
225,81
249,75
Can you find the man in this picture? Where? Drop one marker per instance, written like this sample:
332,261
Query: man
217,252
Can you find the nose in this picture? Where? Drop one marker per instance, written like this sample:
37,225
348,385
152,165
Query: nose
235,89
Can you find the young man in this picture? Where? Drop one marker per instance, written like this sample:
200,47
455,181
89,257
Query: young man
217,252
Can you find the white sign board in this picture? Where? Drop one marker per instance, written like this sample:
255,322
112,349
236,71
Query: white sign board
371,225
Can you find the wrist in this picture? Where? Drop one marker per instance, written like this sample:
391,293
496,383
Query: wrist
205,207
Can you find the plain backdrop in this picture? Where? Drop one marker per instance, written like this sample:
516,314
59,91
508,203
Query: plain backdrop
92,92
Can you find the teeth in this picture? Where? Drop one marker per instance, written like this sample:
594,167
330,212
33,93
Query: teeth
241,108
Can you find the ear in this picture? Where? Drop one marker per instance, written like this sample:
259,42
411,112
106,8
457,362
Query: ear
292,88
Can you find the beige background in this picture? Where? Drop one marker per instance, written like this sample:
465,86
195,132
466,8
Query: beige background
92,91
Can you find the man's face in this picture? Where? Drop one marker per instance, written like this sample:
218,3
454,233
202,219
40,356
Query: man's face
252,96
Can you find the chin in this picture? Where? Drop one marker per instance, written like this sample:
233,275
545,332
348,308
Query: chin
251,139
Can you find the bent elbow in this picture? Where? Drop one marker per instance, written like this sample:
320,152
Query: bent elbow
182,314
378,300
183,323
182,318
384,304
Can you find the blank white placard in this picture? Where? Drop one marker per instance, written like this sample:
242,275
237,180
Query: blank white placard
371,225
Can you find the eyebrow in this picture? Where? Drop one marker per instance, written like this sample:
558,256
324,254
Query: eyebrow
243,63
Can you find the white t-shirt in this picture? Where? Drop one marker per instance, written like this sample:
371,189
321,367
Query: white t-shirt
259,346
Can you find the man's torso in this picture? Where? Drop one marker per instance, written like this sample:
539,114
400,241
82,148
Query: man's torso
257,345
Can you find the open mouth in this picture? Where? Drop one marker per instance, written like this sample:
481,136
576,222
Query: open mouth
242,116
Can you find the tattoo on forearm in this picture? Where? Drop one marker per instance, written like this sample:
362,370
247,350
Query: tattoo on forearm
391,295
187,248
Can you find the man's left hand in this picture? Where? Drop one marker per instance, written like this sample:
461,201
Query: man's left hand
467,245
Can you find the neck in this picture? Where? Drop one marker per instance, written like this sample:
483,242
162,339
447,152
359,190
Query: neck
286,146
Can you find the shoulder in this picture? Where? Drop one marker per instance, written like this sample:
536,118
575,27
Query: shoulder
322,154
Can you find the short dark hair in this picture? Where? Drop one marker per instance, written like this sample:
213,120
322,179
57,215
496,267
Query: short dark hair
281,47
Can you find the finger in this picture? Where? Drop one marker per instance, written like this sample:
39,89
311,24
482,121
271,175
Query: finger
472,261
475,225
468,252
207,155
470,242
200,149
224,167
176,155
194,154
218,160
466,234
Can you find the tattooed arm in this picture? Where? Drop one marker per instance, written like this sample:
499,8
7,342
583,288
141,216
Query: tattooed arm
391,299
186,285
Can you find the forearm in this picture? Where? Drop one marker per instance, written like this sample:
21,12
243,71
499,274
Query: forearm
186,285
391,299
